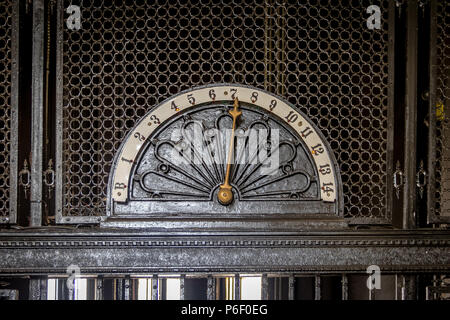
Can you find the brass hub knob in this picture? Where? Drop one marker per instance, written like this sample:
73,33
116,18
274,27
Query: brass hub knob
225,196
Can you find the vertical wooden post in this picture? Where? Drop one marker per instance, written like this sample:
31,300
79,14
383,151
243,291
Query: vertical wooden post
119,289
37,113
291,287
409,288
317,294
237,287
211,288
38,288
409,191
99,288
155,287
344,282
182,279
127,288
264,287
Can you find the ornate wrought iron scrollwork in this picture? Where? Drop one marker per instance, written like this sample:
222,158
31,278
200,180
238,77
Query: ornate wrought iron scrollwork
422,5
25,178
49,178
399,4
421,179
399,180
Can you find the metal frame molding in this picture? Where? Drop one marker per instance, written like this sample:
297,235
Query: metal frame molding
51,252
59,112
11,218
358,211
410,115
13,197
37,116
432,143
312,246
59,183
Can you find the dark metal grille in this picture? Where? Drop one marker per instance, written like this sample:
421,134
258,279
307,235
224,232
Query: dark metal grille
442,110
5,103
320,55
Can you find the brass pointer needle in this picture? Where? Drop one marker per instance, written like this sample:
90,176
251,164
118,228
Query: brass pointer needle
225,195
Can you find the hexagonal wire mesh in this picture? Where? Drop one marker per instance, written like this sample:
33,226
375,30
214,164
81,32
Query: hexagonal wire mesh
442,172
319,55
6,9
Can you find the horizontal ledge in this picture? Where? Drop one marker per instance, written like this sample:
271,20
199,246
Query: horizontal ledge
137,208
92,232
135,238
196,272
223,224
148,259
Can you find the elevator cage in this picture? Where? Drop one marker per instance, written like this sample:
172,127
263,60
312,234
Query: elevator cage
78,77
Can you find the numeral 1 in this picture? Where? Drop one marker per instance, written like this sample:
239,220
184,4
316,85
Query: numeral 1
126,160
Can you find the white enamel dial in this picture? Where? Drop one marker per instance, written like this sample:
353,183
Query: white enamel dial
192,99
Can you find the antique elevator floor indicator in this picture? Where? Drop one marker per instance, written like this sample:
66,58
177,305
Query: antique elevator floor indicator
218,176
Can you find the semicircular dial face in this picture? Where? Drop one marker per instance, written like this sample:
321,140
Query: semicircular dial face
227,149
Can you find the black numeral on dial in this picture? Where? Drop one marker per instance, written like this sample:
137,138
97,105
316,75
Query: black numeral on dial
233,93
254,97
173,106
120,186
155,120
212,94
317,149
127,160
139,136
191,99
272,105
327,188
325,169
306,132
291,117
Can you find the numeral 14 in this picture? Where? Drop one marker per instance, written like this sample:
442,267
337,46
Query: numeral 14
326,187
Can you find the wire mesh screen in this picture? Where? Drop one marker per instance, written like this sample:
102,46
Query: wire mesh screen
442,107
5,103
319,55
